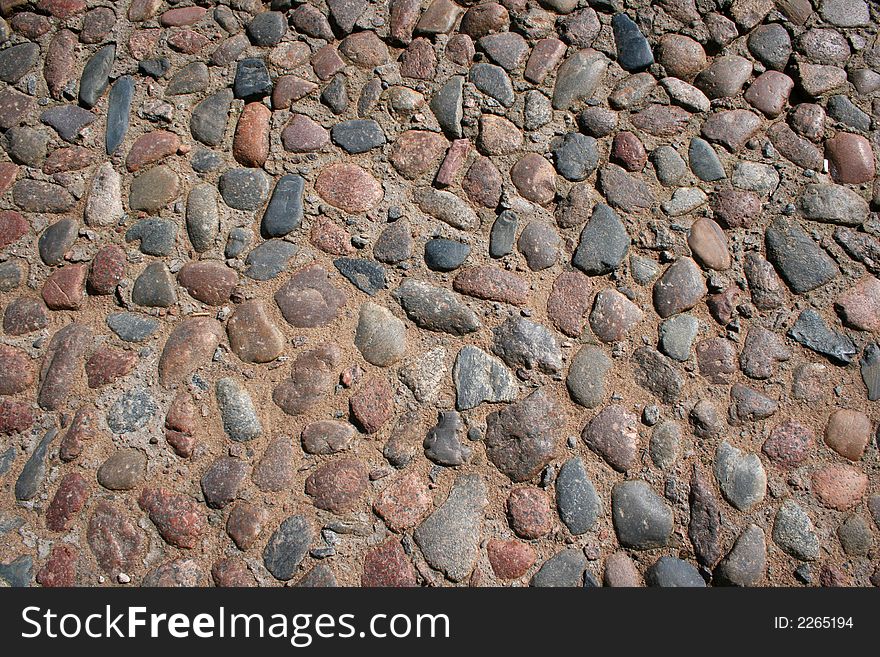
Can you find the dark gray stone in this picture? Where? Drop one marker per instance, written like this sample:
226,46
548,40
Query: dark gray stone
771,45
563,569
284,212
244,188
57,240
269,259
603,244
435,308
34,471
576,498
870,369
67,120
239,239
17,60
131,327
443,443
480,378
267,28
335,94
395,243
154,287
131,411
18,573
155,68
493,81
523,343
367,276
503,234
208,120
793,532
157,236
633,51
840,108
704,161
240,420
811,331
799,260
252,80
118,113
740,475
672,572
96,75
575,156
204,160
357,136
447,106
746,562
287,547
445,255
641,518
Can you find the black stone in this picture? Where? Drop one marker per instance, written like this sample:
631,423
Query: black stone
118,113
154,68
445,255
603,244
335,94
633,50
252,80
284,212
357,135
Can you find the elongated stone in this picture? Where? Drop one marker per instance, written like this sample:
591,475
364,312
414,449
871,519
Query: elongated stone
31,478
284,212
96,76
118,112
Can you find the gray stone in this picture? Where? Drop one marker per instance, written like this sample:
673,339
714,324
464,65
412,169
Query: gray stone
156,236
677,335
633,51
845,13
840,108
208,119
665,445
240,420
34,471
395,243
17,60
493,81
704,161
657,374
19,572
576,498
365,275
205,161
192,78
448,208
671,572
287,547
503,234
335,94
202,217
811,331
669,165
540,244
523,343
131,327
269,259
870,370
244,188
641,518
603,244
480,378
833,204
154,287
67,120
563,569
445,255
799,260
793,532
855,535
131,411
746,562
380,336
267,28
741,476
123,470
57,240
447,106
443,444
118,113
586,376
450,537
252,80
96,76
284,212
357,136
578,77
424,374
771,45
239,240
435,308
26,145
575,156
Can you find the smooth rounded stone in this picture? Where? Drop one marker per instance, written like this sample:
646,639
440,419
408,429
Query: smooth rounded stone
445,255
267,28
681,56
850,158
661,120
840,108
190,79
503,234
253,336
240,420
32,475
793,532
671,572
865,80
789,444
540,244
311,379
327,437
794,148
575,156
724,77
732,129
746,562
443,444
357,136
770,44
544,58
202,217
250,144
190,345
665,445
131,411
612,435
17,60
154,287
705,420
493,81
152,190
238,241
287,547
39,196
123,470
586,376
520,438
858,306
244,188
448,207
130,327
275,470
284,212
417,152
269,259
308,300
668,165
677,335
845,13
755,177
479,378
747,404
624,191
811,331
57,240
482,183
156,236
510,559
597,121
118,113
222,480
708,244
684,201
208,118
252,80
534,178
523,343
447,106
104,201
96,76
498,136
564,569
740,476
848,433
349,188
818,79
26,146
17,369
436,309
62,364
576,499
641,518
855,536
799,260
450,537
603,244
839,487
613,316
657,374
680,288
633,51
823,46
769,93
628,151
380,336
578,78
67,120
704,161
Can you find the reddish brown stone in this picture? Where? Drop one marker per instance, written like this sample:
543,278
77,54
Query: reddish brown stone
97,24
365,49
18,372
65,287
180,425
416,152
250,146
116,542
613,434
208,281
289,89
83,429
535,178
8,172
453,162
69,499
24,315
61,62
403,16
151,147
338,485
528,510
613,315
62,365
311,379
178,518
545,57
326,62
13,227
498,136
245,524
191,344
404,503
460,49
839,487
627,150
108,268
860,305
232,572
848,433
418,61
736,208
330,237
182,16
72,158
372,405
349,188
187,41
661,120
30,25
60,568
289,55
482,183
510,559
15,416
107,365
62,8
789,444
491,283
303,135
850,158
387,565
142,43
569,302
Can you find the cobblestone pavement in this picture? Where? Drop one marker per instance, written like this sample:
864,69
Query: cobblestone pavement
434,293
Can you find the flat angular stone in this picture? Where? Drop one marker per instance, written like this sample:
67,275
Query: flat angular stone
480,378
436,309
641,518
